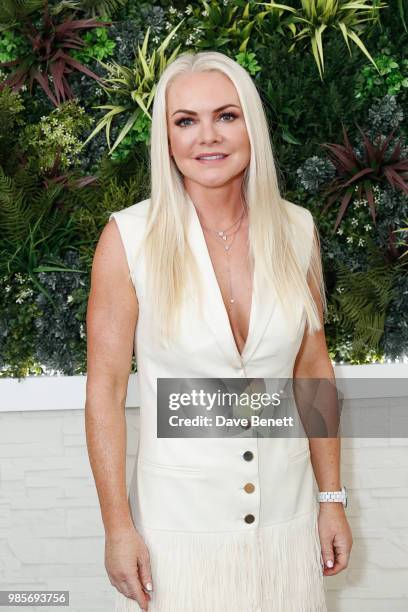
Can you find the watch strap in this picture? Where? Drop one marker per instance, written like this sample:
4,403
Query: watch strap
333,496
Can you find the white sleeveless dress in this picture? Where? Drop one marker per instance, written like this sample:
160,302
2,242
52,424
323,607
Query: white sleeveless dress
188,497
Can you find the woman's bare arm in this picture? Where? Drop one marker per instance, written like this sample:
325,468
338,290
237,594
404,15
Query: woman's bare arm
313,361
111,322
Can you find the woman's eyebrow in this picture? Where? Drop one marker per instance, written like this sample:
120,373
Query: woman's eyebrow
190,112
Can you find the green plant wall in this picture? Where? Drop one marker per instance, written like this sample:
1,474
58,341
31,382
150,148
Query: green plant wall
74,135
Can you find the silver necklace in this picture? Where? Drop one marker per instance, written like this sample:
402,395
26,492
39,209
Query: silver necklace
222,237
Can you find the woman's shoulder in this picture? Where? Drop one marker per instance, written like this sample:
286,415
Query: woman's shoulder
299,214
131,222
138,210
302,231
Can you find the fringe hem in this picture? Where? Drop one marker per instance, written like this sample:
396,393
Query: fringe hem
275,568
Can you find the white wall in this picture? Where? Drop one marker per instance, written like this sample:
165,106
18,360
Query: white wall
51,532
376,474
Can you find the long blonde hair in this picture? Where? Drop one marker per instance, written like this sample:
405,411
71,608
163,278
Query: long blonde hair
170,265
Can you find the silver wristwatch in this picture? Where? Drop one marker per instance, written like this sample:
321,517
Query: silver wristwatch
333,496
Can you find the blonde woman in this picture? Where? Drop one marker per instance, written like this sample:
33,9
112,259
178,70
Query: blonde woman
215,275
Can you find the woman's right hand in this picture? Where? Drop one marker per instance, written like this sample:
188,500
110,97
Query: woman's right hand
127,562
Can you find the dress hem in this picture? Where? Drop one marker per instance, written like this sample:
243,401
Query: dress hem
275,568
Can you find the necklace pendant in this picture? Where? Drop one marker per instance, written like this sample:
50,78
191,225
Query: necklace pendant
220,233
224,237
226,247
232,300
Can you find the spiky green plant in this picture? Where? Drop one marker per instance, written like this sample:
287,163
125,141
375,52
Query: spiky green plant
95,8
135,85
404,240
316,16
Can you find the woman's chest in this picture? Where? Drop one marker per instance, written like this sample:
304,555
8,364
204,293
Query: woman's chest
234,275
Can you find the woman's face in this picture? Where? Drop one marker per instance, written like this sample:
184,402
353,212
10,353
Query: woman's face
207,128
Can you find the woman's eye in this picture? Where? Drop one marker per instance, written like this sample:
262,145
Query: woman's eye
181,123
233,115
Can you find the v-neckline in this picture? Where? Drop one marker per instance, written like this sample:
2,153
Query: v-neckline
216,288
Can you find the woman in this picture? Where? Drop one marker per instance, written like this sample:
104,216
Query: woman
210,524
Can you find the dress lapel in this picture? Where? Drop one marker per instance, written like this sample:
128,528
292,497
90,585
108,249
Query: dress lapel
215,313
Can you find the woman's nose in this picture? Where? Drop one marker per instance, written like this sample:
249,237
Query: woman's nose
208,131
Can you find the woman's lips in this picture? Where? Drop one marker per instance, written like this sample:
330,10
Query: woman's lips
212,161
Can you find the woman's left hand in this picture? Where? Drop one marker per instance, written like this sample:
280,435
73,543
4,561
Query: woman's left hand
335,537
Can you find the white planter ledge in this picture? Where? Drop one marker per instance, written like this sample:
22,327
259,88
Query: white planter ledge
68,392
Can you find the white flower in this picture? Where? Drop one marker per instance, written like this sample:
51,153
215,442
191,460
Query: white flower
367,227
24,294
350,239
361,242
189,9
340,231
82,331
172,10
204,13
354,221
